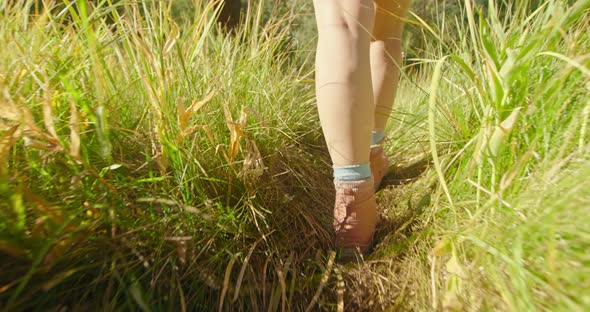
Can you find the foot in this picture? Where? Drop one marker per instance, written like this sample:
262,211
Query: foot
355,215
379,164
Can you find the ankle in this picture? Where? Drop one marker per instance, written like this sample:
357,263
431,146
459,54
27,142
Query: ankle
377,137
354,187
377,149
352,173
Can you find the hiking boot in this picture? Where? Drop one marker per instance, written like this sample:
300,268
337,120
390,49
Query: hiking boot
379,164
355,215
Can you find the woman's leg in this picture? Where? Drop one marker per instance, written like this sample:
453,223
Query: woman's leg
345,104
386,56
385,70
343,78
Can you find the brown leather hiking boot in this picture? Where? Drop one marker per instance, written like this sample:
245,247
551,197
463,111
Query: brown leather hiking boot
355,215
379,164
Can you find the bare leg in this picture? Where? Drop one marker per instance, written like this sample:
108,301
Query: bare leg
386,56
346,108
343,78
385,68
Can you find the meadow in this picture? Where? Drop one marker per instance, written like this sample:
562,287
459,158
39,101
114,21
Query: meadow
151,161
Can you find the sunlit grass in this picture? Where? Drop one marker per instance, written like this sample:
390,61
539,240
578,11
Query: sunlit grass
141,157
152,163
507,122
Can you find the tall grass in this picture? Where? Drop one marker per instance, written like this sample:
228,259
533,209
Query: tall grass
507,120
151,163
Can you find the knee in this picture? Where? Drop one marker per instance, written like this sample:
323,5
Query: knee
352,18
386,55
387,46
335,27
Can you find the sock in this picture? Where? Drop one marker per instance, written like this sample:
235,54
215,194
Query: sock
352,173
377,137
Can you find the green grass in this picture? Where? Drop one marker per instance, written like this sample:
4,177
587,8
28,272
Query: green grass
148,163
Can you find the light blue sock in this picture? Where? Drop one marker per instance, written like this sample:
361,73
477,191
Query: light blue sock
352,173
377,137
